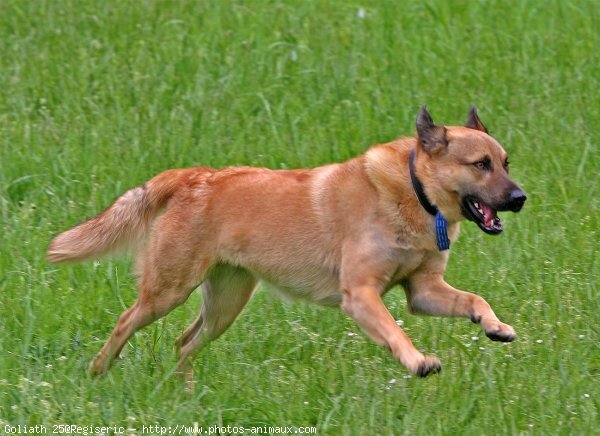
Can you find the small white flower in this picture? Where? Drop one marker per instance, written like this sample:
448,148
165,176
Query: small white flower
539,341
482,348
392,381
361,13
474,338
581,336
61,358
351,334
586,395
407,376
49,366
467,344
44,384
400,322
306,403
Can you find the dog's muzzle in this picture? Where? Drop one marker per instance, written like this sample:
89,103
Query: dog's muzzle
485,215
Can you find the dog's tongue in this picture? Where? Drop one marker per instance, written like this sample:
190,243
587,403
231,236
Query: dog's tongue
488,215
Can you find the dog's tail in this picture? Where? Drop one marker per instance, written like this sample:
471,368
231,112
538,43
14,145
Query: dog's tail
124,222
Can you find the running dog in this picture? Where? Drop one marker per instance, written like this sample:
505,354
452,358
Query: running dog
339,235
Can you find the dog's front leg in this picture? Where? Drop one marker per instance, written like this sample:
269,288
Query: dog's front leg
429,294
364,305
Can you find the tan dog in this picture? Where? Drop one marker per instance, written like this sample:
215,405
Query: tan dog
341,234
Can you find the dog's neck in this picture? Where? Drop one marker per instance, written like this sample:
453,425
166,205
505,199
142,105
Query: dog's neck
418,187
441,226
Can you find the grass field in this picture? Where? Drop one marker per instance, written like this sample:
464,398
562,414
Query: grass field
97,97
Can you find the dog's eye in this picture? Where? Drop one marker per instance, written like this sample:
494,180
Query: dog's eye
482,164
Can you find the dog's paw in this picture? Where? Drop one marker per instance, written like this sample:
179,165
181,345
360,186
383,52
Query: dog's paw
429,365
96,367
501,332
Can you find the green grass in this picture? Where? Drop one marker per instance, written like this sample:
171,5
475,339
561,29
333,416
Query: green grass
97,97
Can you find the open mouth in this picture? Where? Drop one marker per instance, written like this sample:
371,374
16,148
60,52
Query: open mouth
483,215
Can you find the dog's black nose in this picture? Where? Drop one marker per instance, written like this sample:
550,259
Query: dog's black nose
517,199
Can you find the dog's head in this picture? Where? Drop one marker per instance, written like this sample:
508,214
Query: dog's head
465,172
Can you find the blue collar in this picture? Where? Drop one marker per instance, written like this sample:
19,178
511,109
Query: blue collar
441,226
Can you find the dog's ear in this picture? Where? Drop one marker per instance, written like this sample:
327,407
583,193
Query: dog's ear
430,136
473,122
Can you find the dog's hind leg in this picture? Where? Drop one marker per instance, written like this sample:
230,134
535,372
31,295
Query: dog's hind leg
137,316
225,293
189,333
429,294
171,271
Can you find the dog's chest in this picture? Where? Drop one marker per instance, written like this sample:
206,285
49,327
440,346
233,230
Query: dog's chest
407,262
